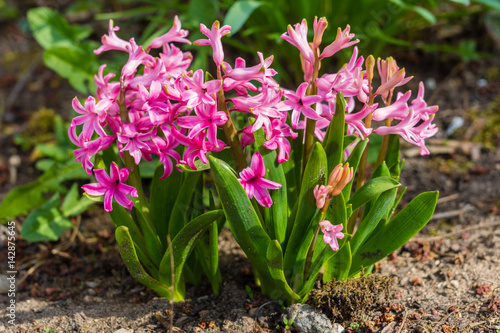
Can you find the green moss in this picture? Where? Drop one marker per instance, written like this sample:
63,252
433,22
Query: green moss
40,129
346,301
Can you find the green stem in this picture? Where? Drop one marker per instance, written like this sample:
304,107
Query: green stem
313,243
385,145
230,132
134,178
310,123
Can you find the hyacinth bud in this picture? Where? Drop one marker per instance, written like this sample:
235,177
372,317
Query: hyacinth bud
319,28
370,65
320,193
340,176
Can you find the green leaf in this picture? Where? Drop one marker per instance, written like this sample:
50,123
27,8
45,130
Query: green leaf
203,11
51,29
274,257
338,266
129,256
154,248
315,174
162,199
239,13
182,245
380,210
334,137
179,216
45,223
370,190
53,151
353,161
73,63
424,13
23,199
73,204
276,216
121,217
494,4
406,224
240,214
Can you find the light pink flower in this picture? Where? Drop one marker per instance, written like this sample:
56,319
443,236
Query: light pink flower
300,103
253,181
342,41
297,36
331,233
214,39
260,72
319,27
112,187
320,193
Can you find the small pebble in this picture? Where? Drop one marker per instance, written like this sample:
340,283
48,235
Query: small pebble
91,284
122,330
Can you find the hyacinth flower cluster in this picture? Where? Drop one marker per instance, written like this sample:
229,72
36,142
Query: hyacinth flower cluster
282,160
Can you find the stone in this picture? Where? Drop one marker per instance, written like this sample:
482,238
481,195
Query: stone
305,319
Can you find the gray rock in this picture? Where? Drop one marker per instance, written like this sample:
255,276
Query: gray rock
308,320
122,330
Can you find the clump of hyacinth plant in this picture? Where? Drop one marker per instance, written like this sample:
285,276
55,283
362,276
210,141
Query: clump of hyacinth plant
283,161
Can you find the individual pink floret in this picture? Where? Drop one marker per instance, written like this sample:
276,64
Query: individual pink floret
112,187
254,183
331,233
214,39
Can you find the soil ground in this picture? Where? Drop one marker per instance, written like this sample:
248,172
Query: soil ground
447,279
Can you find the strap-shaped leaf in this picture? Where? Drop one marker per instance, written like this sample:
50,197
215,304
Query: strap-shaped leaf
333,142
353,161
129,256
338,266
276,216
163,196
153,245
406,224
182,245
182,204
371,190
315,174
380,210
240,215
281,288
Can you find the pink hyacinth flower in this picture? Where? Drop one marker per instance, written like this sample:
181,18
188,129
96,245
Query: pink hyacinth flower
112,41
301,103
93,115
331,233
175,34
297,36
112,187
320,194
199,92
342,41
254,183
214,39
133,141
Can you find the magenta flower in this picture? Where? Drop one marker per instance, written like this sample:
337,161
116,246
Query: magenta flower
112,41
331,233
196,147
241,73
199,92
279,139
207,117
93,116
87,149
133,141
342,41
175,34
297,36
214,39
254,183
300,103
112,187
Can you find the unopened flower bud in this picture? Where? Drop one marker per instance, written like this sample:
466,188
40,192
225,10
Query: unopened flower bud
370,65
340,176
320,193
